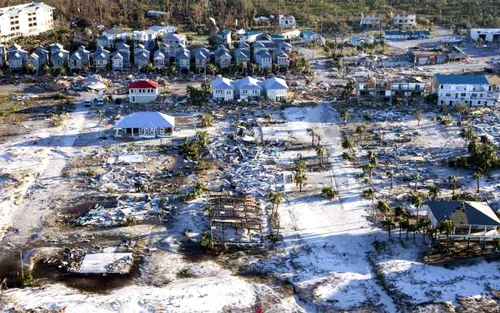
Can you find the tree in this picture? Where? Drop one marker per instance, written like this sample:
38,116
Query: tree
417,200
361,130
348,144
383,207
477,176
276,198
467,134
45,69
329,192
29,68
483,155
434,192
402,220
172,70
202,139
321,152
372,155
212,69
416,176
311,132
390,175
454,183
206,120
300,174
388,224
446,226
369,168
345,116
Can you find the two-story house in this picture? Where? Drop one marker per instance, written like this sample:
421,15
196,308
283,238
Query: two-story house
472,90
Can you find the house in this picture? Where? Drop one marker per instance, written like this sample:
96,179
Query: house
222,57
286,21
201,56
124,51
472,90
276,89
43,55
241,56
485,34
59,57
261,20
142,91
369,21
111,37
309,36
145,125
156,14
101,58
75,61
289,35
16,56
264,59
470,219
183,61
358,41
244,46
146,37
248,88
159,59
281,58
407,88
34,59
3,55
141,57
222,89
405,34
404,20
224,37
427,57
175,39
117,61
250,36
162,31
27,19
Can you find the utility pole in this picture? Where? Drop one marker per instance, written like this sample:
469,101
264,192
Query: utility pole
22,263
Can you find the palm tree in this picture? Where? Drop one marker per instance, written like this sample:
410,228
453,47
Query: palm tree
202,139
345,116
424,225
300,174
276,198
311,133
369,193
362,129
321,151
390,175
467,134
434,192
402,220
348,144
318,139
477,176
330,192
388,224
212,69
417,199
447,227
373,157
383,207
416,177
369,168
454,182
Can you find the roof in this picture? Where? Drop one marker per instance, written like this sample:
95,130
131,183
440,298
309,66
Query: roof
275,83
253,33
407,32
461,79
222,83
100,263
248,83
143,84
477,213
172,36
263,54
493,79
146,119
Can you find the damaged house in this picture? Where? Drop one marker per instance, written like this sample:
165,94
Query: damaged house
145,125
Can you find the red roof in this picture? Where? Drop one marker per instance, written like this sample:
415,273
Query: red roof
143,84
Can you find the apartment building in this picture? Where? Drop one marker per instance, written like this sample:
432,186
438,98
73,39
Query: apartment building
472,90
406,88
25,19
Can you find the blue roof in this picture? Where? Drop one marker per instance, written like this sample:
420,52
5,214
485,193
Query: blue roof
253,32
461,79
224,32
277,37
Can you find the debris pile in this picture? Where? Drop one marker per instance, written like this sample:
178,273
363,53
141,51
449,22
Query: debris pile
128,209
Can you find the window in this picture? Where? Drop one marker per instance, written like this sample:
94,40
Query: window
463,94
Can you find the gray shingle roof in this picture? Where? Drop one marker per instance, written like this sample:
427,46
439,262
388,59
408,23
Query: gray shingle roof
478,213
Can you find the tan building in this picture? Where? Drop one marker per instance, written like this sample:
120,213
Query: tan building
25,20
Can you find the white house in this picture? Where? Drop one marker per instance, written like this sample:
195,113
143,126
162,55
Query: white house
286,21
369,21
25,19
248,88
250,36
161,30
145,124
142,91
222,89
404,20
175,39
485,34
472,90
276,89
